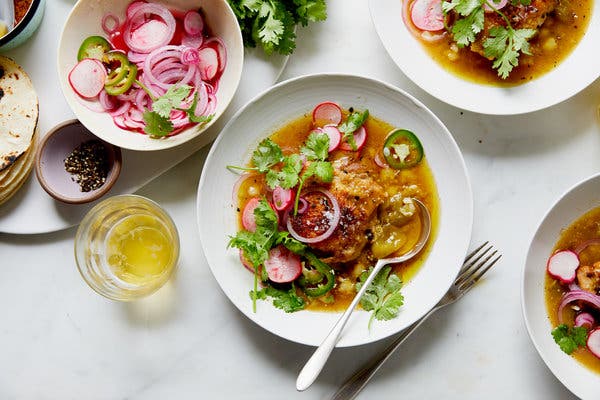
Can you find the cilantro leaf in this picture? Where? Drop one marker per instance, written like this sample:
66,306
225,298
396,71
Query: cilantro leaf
390,307
171,100
352,123
256,245
383,296
288,300
316,146
287,178
503,45
570,339
267,154
157,125
466,29
310,11
323,170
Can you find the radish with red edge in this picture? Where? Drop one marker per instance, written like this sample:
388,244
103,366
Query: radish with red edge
87,78
283,266
193,23
593,342
208,63
327,113
563,265
248,221
501,4
247,264
360,138
282,198
335,136
427,15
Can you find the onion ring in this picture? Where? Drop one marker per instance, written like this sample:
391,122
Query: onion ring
334,220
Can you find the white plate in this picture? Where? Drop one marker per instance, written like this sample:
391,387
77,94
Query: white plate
285,102
574,203
580,69
32,210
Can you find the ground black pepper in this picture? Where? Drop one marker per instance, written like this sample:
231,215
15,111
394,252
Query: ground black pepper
88,164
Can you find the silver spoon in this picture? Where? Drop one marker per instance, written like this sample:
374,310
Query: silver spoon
7,16
317,361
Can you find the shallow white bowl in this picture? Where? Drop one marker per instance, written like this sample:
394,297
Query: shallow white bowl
85,20
575,202
571,76
284,103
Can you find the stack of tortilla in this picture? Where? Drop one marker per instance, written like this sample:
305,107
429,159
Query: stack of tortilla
18,126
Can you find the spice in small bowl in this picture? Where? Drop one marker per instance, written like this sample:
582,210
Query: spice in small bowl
74,166
88,163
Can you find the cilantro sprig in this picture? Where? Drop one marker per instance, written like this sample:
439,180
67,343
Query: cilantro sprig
158,122
255,247
383,295
504,44
570,339
352,123
289,171
271,24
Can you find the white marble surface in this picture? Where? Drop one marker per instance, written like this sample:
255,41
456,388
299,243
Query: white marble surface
59,340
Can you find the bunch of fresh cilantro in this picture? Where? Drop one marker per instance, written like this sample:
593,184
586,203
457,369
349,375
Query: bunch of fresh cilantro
272,23
503,45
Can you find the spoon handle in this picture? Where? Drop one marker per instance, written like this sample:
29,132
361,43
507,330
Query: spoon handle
317,361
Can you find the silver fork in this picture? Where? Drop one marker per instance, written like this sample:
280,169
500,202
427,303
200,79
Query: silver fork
474,267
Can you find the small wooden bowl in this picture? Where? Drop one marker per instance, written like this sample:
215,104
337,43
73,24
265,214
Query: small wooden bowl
55,147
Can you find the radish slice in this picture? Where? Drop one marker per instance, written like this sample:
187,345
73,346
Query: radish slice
327,113
563,265
209,63
193,23
282,265
593,342
282,198
427,15
584,319
248,221
380,161
245,262
147,34
335,136
87,78
360,137
192,41
497,6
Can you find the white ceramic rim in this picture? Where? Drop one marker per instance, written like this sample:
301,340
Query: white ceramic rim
579,69
101,125
571,373
455,261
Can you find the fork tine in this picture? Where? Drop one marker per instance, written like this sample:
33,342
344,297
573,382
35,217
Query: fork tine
468,257
467,266
468,284
468,274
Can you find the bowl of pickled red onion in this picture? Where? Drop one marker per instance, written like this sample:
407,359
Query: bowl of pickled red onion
150,75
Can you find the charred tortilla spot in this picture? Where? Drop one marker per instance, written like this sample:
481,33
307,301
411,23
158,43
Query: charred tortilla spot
1,93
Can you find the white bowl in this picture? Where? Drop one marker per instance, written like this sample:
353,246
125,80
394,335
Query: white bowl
571,76
572,205
286,102
85,20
